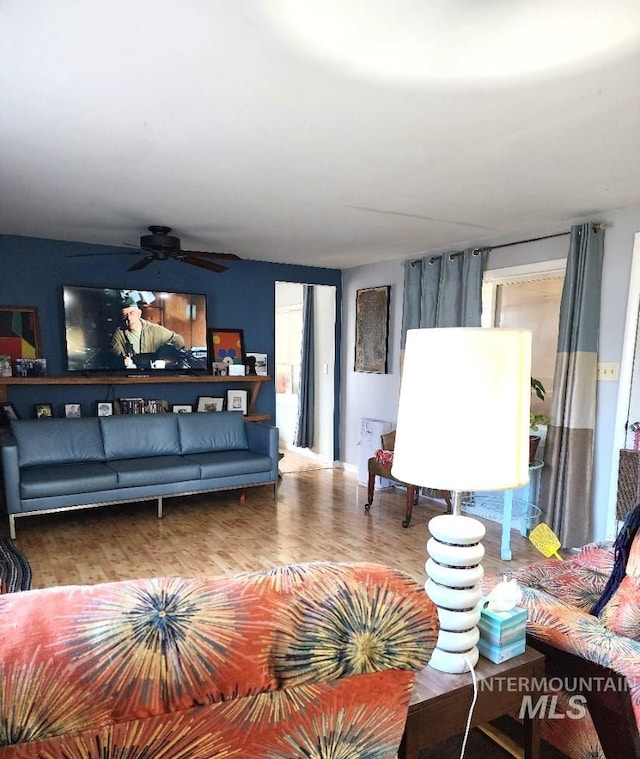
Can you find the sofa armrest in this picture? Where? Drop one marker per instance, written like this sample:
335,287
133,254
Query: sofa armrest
11,472
263,438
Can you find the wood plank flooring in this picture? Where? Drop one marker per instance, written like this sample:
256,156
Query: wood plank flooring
319,515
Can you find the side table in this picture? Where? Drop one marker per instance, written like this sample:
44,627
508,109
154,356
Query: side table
440,702
523,507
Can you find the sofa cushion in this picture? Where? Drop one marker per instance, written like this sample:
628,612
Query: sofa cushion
66,479
229,463
622,612
152,470
212,431
57,441
130,436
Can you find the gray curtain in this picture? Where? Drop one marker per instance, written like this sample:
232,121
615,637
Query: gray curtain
306,393
566,490
443,291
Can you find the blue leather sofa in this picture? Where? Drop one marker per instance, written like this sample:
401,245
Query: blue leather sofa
54,464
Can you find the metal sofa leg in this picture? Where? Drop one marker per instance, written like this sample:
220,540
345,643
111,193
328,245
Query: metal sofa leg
160,507
12,526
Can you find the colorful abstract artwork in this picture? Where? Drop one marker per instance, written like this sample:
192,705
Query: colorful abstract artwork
19,333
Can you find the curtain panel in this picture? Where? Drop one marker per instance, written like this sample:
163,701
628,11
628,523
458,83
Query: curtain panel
306,394
566,490
443,291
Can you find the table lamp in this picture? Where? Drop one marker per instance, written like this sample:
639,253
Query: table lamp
463,425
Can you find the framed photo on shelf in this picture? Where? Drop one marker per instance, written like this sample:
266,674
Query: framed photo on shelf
257,363
72,410
226,346
31,367
43,410
209,403
104,408
19,332
8,412
372,329
182,408
238,400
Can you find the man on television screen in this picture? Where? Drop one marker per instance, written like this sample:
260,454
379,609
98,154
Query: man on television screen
138,336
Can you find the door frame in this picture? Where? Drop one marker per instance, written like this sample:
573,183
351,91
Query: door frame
624,382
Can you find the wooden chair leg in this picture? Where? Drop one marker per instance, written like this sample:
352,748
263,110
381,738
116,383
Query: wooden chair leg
370,490
411,494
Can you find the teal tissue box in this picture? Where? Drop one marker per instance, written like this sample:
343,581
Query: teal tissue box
498,654
502,633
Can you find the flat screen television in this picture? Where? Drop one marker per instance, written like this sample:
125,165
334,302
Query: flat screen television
134,331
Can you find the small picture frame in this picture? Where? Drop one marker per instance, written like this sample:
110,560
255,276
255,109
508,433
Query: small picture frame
8,412
182,408
72,410
31,367
43,410
104,408
238,400
219,368
257,364
226,346
210,403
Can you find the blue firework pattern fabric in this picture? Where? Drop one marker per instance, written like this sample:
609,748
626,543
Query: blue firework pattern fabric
310,660
558,596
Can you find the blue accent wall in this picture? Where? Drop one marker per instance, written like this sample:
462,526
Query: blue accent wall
33,272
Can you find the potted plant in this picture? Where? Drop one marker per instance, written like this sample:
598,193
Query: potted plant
536,420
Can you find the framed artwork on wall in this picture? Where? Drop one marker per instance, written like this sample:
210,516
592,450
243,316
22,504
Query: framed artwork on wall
19,332
226,346
372,329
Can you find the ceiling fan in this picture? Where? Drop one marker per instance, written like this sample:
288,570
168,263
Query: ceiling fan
162,246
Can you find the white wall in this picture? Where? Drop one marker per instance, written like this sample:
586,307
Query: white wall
362,394
377,395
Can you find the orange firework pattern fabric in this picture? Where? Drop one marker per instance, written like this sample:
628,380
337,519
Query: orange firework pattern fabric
558,596
309,660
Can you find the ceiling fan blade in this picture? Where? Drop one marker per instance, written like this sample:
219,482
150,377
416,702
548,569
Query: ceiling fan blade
203,263
213,254
141,263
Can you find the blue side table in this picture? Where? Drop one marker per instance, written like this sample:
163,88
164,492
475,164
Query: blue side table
520,504
526,506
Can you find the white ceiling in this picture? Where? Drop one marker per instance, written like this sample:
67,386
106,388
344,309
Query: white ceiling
324,132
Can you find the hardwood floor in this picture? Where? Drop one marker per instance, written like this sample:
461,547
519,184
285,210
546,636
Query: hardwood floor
319,515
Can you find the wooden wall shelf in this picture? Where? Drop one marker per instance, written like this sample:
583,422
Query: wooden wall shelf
254,381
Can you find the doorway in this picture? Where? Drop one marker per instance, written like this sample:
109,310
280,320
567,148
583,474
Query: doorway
288,347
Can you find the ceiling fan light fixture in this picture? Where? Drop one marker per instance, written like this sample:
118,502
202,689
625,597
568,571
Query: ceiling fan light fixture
160,239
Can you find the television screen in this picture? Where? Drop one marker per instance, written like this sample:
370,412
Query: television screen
134,331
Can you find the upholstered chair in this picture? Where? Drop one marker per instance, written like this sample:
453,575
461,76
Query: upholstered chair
380,466
268,665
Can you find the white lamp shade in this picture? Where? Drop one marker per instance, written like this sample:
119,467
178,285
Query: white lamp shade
463,418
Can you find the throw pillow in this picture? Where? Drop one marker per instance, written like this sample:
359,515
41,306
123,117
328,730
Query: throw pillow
621,614
621,550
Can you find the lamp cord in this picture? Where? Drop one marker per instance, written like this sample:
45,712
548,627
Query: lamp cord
471,708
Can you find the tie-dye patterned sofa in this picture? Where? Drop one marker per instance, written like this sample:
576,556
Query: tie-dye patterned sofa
592,661
300,661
